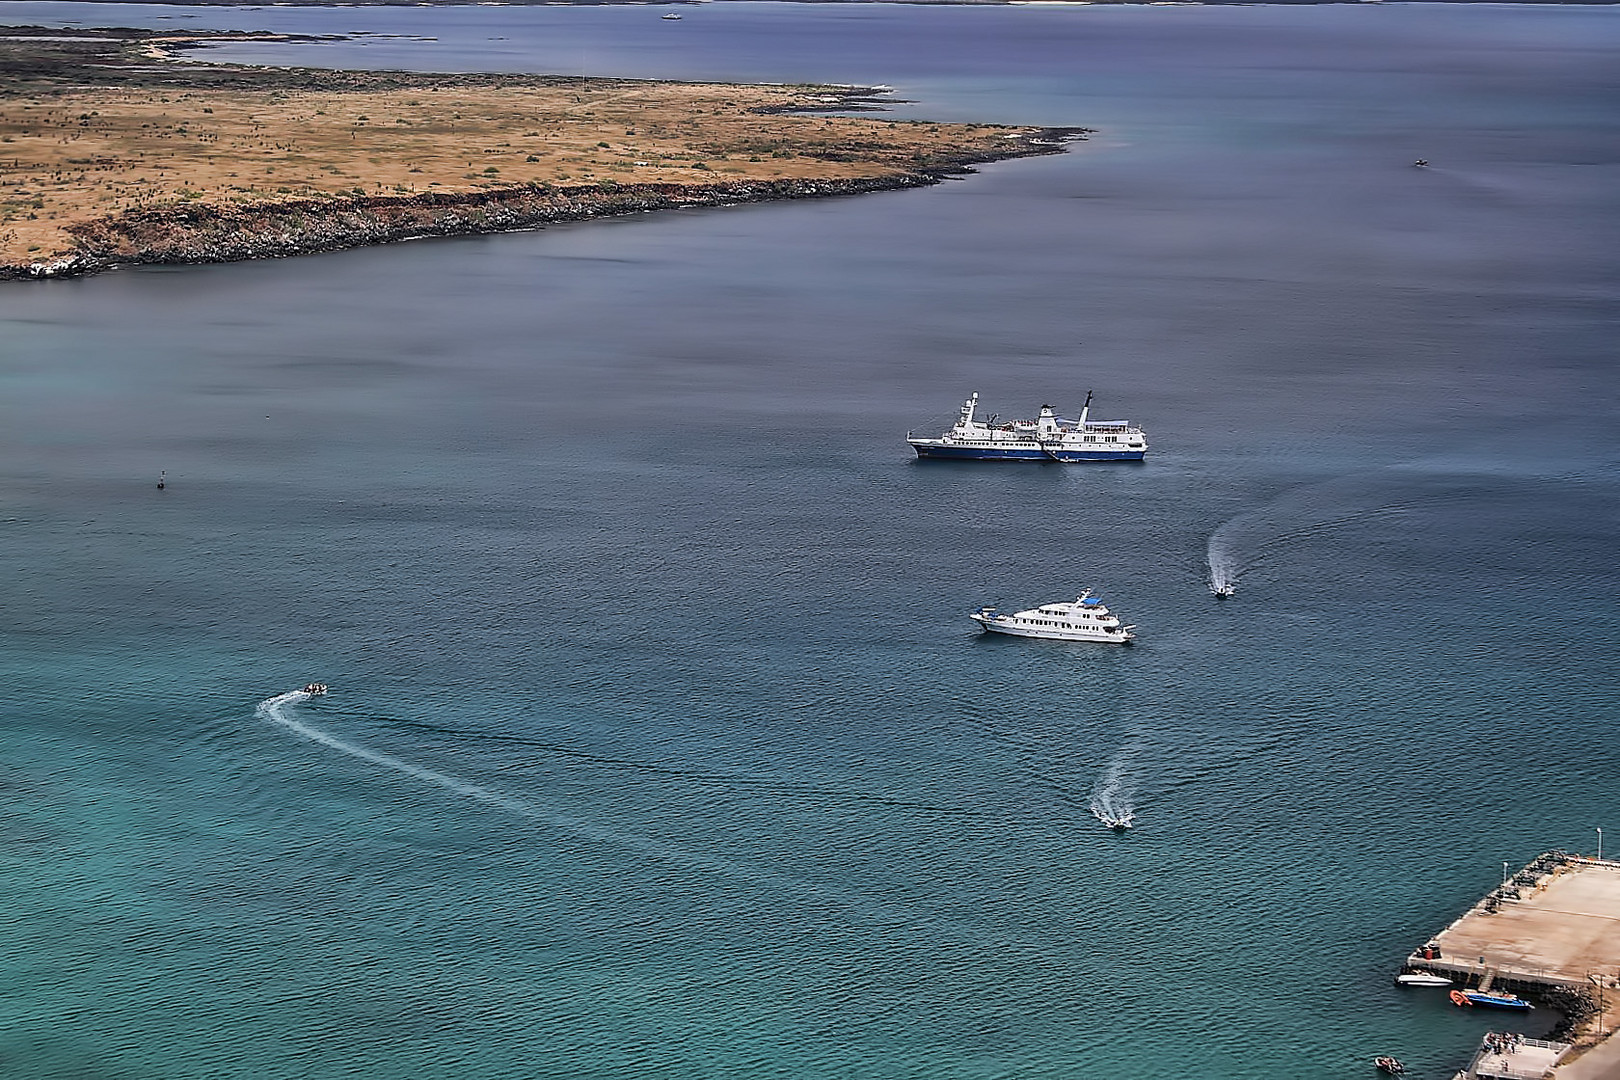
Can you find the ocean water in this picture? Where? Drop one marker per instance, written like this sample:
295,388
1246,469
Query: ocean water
659,743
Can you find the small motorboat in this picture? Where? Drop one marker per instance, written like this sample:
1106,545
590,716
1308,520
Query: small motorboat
1223,590
1490,999
314,688
1421,978
1117,822
1421,163
670,16
1388,1065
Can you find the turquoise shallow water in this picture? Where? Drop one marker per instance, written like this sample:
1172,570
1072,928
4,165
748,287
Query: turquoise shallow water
659,743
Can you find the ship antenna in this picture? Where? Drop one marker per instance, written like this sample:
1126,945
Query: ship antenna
967,410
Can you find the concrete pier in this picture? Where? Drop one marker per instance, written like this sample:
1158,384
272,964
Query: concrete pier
1556,923
1508,1057
1552,927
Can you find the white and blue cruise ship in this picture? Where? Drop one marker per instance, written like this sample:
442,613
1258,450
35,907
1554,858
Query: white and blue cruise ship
1046,438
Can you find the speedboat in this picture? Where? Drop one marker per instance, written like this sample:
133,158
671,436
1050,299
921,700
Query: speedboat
1223,590
1421,163
1046,438
1491,999
1386,1064
1421,978
1118,824
1085,619
669,15
314,688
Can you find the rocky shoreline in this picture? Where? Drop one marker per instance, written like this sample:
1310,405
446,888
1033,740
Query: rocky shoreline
208,233
119,153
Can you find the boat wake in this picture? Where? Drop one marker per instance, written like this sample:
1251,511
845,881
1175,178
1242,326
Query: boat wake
881,911
1223,567
1243,543
1113,798
276,710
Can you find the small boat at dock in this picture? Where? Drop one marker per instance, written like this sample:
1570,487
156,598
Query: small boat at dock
1490,999
1421,978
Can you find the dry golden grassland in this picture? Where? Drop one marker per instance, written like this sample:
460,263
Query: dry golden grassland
71,154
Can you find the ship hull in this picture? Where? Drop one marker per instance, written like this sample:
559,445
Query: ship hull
931,450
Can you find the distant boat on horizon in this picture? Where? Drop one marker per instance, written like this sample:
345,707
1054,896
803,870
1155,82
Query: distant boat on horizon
1046,438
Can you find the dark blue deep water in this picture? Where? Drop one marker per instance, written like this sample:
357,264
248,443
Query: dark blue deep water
659,742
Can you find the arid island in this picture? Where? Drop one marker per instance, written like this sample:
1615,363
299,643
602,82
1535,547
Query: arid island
120,147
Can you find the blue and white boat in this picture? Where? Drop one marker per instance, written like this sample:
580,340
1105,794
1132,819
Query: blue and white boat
1490,999
1046,438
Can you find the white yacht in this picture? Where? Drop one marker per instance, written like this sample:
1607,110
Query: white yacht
1085,619
1048,437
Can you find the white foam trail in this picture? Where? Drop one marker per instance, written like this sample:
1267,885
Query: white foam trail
1223,566
1242,542
274,710
271,710
901,917
1113,798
